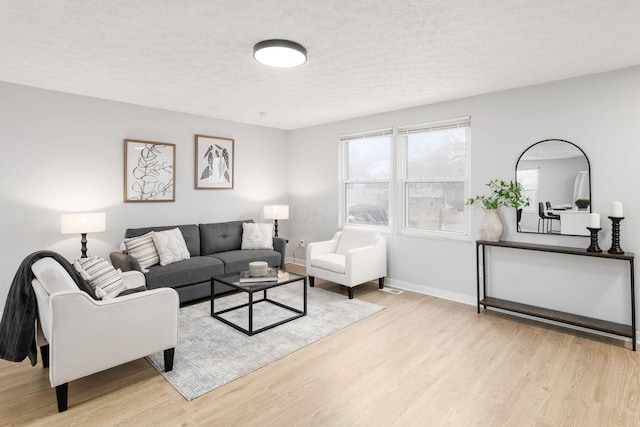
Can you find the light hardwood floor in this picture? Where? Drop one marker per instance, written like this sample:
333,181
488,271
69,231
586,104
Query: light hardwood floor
422,361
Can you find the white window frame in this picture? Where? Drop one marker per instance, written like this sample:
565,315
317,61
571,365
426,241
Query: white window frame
343,174
402,181
533,207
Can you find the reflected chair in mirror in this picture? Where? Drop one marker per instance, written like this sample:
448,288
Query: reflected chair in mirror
551,216
545,219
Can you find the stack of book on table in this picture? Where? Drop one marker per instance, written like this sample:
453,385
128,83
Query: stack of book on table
271,276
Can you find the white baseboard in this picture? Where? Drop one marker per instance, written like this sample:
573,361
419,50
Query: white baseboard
296,261
434,292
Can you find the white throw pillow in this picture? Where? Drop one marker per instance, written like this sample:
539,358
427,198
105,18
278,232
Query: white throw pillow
257,236
171,246
105,280
143,249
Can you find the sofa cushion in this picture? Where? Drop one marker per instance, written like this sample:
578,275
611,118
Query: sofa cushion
171,246
330,262
185,272
221,237
257,236
236,261
190,233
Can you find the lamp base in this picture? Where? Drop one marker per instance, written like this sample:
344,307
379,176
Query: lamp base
83,242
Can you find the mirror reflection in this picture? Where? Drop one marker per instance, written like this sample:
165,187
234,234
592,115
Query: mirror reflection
557,178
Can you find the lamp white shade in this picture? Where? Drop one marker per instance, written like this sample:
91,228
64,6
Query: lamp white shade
276,212
81,223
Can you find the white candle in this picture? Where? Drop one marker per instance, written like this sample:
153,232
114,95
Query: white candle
594,220
616,209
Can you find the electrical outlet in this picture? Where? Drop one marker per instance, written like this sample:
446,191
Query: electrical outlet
302,243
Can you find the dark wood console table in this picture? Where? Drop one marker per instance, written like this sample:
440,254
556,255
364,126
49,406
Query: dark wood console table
619,329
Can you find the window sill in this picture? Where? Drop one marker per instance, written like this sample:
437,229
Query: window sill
435,235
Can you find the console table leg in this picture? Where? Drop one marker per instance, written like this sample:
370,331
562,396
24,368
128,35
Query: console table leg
478,274
484,273
633,305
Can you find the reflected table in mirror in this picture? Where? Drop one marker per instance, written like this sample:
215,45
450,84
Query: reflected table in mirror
573,222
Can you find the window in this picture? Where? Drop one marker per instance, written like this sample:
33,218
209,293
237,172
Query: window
423,195
529,180
366,178
434,177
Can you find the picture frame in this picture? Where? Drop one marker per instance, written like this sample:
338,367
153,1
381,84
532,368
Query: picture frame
149,171
214,163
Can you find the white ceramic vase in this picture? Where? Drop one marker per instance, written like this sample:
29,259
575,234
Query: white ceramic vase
490,228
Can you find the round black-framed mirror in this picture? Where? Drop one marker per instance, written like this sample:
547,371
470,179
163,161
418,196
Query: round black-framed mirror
556,176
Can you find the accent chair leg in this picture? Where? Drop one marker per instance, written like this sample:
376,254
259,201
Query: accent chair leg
350,292
311,281
62,392
168,359
44,352
381,283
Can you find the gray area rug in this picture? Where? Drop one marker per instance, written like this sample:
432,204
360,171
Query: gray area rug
210,353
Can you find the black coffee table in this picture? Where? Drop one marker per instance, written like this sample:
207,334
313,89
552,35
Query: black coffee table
251,288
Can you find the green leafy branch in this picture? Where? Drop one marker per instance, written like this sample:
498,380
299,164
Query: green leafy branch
509,194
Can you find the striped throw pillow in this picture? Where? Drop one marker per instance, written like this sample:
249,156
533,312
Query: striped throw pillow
143,250
105,280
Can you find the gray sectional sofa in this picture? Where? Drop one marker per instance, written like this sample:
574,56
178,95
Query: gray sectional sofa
214,250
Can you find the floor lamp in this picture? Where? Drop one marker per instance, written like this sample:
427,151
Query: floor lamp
83,223
276,212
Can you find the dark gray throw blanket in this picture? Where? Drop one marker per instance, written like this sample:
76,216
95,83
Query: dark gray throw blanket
17,327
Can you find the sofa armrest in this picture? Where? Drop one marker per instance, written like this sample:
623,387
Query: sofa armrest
366,263
124,262
280,245
133,279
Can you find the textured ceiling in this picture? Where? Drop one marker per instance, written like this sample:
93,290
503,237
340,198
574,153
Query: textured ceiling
364,56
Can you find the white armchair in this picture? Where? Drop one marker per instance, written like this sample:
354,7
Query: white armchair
352,257
79,336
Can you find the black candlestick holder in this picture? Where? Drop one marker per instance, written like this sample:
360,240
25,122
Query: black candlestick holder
615,235
594,240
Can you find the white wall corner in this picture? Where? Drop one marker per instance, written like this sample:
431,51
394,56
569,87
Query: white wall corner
296,261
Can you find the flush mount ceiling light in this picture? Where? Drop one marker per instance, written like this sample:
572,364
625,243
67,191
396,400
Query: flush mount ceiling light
280,53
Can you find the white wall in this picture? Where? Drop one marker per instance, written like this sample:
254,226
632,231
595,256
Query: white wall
598,113
64,153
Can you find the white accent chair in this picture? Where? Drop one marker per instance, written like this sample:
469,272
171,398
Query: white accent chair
79,336
352,257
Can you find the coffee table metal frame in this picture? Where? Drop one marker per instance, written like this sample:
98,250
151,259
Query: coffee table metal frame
251,288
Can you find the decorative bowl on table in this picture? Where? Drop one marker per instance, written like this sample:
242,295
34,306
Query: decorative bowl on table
582,203
258,268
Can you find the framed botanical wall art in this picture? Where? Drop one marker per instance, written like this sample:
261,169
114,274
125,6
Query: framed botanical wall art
214,162
149,171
